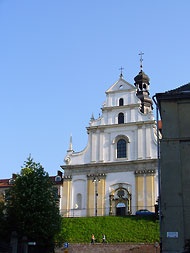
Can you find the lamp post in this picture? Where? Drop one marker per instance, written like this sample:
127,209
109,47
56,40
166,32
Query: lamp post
96,180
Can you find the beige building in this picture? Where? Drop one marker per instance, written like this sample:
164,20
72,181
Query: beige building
116,173
57,181
174,107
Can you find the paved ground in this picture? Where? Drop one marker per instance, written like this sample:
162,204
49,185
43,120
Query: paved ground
110,248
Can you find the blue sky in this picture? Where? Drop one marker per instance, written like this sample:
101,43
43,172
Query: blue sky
58,57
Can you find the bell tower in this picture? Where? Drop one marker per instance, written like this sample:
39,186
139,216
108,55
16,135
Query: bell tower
142,85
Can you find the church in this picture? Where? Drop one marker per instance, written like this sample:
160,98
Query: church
116,173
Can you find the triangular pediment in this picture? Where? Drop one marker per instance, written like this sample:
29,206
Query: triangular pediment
121,84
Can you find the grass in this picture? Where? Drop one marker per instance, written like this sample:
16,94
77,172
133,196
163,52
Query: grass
117,229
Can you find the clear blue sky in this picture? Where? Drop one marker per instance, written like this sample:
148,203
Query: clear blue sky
58,57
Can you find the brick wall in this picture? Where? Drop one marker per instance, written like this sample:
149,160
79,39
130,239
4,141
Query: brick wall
110,248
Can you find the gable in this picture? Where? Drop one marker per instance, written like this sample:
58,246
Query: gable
121,84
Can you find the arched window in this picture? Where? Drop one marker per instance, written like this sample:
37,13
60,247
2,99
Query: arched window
79,201
121,102
121,148
120,118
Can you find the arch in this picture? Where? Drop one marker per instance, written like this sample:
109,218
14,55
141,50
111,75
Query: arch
120,199
121,148
121,118
121,102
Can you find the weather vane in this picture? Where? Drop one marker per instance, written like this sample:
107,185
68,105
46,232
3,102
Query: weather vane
141,59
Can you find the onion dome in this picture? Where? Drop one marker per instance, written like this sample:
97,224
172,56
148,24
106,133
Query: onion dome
142,81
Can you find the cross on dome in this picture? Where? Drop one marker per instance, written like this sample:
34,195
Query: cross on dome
141,59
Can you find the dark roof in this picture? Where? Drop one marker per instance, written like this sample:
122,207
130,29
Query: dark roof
181,92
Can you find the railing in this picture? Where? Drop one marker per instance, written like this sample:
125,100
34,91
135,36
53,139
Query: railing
104,211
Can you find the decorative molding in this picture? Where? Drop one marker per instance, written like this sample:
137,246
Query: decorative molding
140,172
68,178
98,175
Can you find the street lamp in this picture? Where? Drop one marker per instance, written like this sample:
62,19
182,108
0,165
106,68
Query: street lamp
96,180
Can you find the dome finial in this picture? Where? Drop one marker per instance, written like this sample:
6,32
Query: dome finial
121,74
141,59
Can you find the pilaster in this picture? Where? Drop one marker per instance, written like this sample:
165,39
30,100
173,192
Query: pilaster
66,196
145,189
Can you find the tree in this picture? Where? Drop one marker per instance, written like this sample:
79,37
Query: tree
3,232
32,204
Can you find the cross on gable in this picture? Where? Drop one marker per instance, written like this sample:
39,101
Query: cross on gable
121,74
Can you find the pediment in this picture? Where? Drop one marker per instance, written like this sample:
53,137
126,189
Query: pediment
121,84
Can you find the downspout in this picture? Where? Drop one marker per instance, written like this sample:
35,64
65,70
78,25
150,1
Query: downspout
159,170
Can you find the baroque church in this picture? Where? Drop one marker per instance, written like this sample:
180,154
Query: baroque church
116,173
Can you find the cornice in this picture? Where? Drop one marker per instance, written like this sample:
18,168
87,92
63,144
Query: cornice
110,108
109,164
121,91
139,123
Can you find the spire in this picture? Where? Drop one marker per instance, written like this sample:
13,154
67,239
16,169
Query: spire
70,144
92,117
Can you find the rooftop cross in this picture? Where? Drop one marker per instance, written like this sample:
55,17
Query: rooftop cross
141,59
121,71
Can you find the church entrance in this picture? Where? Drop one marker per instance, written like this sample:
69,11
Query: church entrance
120,199
120,209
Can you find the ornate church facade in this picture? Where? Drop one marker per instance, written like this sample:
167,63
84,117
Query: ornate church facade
116,173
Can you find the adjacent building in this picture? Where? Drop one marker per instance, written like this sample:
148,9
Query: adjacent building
174,107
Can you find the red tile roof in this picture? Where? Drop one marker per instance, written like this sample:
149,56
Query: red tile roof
4,183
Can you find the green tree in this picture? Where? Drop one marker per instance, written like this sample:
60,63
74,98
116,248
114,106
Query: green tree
3,231
32,205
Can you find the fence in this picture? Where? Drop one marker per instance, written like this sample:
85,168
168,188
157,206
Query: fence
90,212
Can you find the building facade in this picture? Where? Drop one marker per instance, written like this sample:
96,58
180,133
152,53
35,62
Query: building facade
116,173
174,107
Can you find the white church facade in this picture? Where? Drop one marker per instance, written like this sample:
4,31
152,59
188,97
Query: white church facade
116,173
